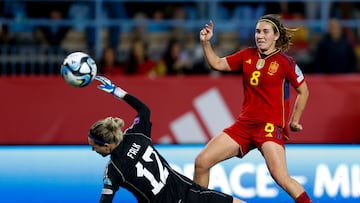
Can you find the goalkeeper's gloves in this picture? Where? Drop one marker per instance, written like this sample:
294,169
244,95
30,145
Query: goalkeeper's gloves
109,87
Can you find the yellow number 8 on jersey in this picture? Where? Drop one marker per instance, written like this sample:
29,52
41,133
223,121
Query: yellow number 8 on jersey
254,80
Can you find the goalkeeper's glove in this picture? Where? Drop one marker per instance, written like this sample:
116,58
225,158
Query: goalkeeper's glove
109,87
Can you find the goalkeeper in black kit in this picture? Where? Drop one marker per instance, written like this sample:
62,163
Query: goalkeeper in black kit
136,165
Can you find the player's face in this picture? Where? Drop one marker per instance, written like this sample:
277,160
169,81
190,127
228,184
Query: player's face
103,150
265,37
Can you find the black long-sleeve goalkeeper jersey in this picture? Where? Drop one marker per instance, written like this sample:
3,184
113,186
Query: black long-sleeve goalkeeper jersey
137,166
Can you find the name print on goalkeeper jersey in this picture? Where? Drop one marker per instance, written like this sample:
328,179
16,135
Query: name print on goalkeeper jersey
133,150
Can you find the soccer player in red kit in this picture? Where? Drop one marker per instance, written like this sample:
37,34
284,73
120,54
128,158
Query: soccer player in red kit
267,75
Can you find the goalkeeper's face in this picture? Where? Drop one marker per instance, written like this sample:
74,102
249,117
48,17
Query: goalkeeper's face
103,150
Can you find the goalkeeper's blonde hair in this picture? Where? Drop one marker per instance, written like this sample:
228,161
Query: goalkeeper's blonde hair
108,129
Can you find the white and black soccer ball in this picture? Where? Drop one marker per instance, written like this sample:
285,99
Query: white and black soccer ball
78,69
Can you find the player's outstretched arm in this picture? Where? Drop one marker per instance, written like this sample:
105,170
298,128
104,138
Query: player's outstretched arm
215,62
134,102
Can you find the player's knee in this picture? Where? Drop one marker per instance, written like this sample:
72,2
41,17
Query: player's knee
202,162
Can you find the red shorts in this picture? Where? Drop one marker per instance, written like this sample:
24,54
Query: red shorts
251,136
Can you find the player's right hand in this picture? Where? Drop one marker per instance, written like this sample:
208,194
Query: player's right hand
296,127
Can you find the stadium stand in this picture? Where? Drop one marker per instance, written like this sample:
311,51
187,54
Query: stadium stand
30,55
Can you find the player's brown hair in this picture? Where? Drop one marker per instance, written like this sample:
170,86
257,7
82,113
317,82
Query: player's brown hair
286,33
108,130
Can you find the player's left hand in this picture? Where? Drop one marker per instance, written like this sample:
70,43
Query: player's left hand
295,127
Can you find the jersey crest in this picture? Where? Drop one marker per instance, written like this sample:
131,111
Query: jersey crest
273,67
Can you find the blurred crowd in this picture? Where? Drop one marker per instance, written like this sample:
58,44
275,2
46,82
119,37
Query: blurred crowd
160,48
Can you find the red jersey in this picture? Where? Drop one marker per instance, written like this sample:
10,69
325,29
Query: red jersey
266,83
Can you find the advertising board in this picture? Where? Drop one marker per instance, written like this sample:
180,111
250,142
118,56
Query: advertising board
330,173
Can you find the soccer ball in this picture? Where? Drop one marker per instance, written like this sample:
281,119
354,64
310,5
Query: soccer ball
78,69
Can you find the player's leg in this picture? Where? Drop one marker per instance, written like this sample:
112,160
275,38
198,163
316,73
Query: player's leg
275,158
235,200
219,148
